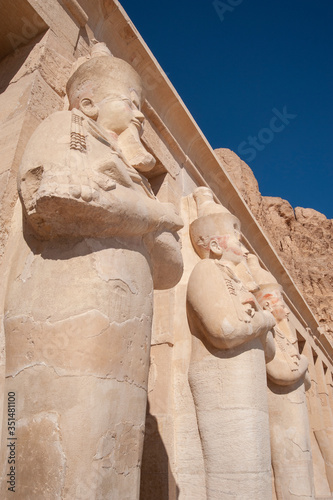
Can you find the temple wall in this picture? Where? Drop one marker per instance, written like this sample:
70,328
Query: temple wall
36,61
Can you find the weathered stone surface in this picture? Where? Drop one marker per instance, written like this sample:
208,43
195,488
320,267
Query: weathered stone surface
303,238
19,23
32,85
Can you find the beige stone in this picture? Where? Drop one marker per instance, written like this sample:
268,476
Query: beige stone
79,293
289,424
78,309
227,370
324,439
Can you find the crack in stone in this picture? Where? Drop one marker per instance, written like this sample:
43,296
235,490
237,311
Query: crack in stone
299,495
75,316
100,333
304,451
130,382
135,318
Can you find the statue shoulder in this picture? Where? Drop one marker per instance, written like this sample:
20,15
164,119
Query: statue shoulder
50,130
209,269
49,141
57,120
206,279
205,265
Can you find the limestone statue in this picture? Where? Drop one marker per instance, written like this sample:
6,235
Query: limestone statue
287,380
227,372
78,316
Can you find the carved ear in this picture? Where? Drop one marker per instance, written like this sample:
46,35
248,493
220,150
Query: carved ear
215,248
88,108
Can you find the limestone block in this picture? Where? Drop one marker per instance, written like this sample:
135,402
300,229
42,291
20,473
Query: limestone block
20,22
166,189
189,467
159,376
53,15
45,54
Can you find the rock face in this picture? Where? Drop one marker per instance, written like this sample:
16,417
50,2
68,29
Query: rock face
303,239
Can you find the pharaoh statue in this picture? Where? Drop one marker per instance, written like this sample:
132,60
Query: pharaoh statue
227,373
288,379
78,312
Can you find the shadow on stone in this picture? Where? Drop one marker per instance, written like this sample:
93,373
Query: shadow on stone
157,480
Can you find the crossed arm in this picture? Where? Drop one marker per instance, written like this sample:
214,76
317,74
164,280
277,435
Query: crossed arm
66,198
212,310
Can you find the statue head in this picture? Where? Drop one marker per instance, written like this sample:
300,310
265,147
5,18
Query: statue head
105,85
216,232
270,298
269,293
109,91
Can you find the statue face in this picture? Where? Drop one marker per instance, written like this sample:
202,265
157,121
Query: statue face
117,113
228,247
274,303
120,115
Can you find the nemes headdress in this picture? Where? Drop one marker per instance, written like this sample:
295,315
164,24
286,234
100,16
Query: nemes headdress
213,220
102,75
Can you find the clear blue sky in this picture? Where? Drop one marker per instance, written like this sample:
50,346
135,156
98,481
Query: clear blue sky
233,62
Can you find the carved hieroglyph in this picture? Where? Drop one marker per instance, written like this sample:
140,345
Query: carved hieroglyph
227,372
78,309
286,372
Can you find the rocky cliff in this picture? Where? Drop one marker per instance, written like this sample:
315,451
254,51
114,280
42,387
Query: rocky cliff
302,237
